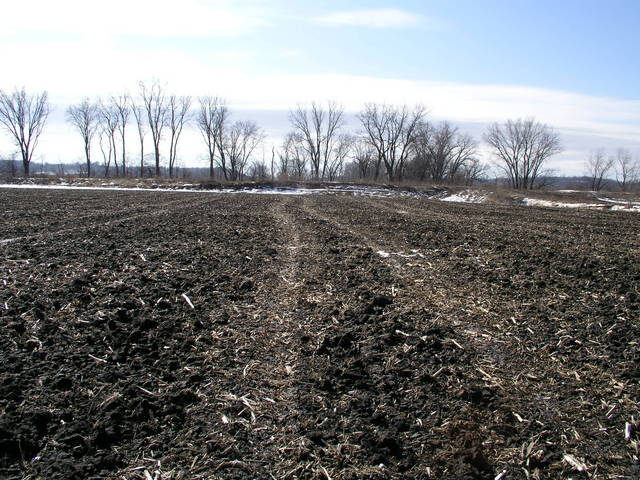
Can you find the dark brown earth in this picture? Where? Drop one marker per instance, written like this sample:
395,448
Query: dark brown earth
331,337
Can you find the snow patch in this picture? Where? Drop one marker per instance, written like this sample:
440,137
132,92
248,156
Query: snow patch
339,189
466,196
623,207
626,208
535,202
618,201
103,188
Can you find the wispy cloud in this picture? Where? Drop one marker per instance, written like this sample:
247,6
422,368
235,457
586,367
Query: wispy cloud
372,18
585,122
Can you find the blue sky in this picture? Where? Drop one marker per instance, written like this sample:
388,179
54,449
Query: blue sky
569,63
583,46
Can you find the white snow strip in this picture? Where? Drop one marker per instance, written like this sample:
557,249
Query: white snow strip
103,188
535,202
354,190
465,197
625,208
383,254
618,201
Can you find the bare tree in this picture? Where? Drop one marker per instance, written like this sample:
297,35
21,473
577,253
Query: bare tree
420,166
23,116
85,118
230,146
210,120
522,147
259,170
597,166
363,156
341,150
106,147
155,104
241,140
178,116
9,165
300,159
285,156
122,108
273,162
392,132
473,171
109,120
140,117
293,157
627,170
318,129
441,152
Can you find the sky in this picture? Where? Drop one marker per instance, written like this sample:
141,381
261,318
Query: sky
571,64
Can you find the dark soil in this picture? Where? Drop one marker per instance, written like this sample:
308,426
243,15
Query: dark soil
198,335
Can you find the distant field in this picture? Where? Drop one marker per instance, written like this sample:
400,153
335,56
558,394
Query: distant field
176,335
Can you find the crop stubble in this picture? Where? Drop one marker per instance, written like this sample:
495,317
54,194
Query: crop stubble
196,335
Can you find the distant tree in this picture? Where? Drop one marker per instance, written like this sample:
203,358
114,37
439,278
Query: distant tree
9,165
285,156
300,158
342,149
473,171
441,152
140,117
106,148
229,145
86,119
109,122
122,108
392,132
23,116
292,156
154,101
240,142
210,120
178,116
317,128
259,171
522,147
627,171
273,162
597,166
363,154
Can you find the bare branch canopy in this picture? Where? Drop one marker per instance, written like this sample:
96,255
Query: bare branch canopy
23,116
522,147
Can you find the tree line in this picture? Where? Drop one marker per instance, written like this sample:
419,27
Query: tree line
393,143
622,166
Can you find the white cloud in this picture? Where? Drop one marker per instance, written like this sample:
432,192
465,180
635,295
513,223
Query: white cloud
373,18
165,18
70,70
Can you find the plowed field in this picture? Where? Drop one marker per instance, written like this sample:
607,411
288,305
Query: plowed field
195,336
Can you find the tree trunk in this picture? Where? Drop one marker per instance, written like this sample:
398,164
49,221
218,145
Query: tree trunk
124,161
141,159
88,156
